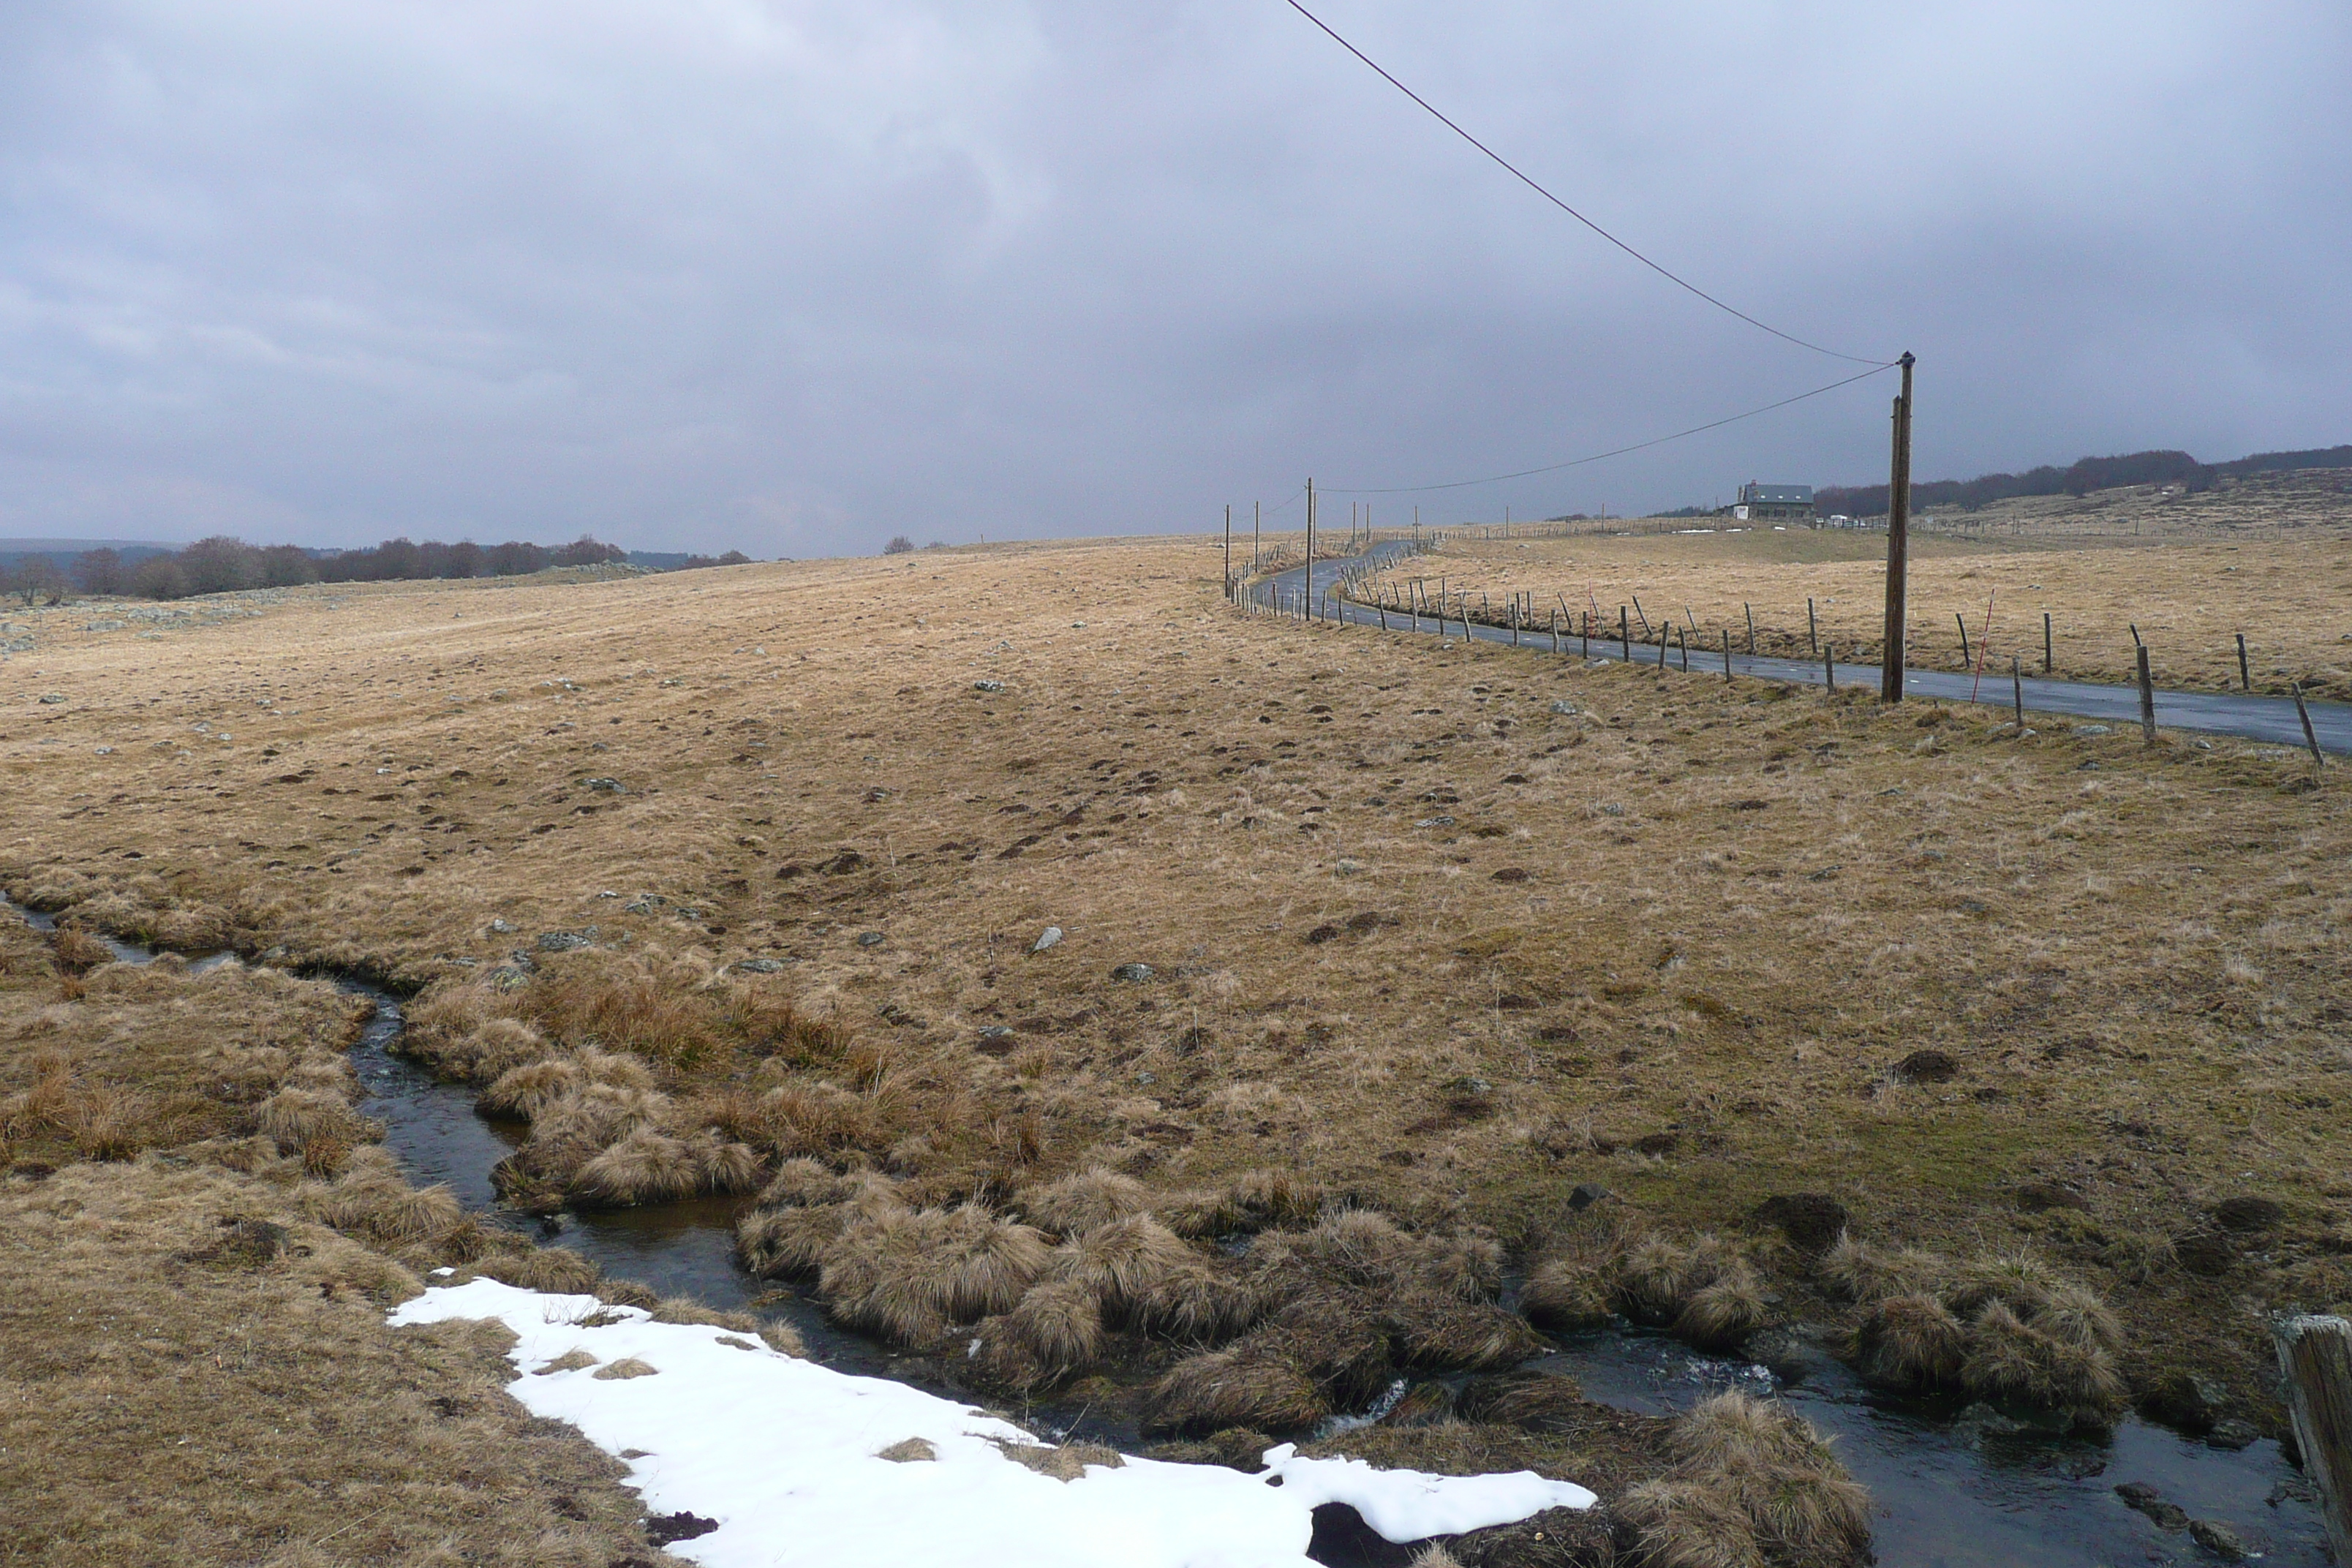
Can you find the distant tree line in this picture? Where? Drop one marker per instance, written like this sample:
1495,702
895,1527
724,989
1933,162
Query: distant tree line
222,565
2080,477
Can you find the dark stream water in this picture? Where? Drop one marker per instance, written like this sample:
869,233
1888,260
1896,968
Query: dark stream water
1952,1490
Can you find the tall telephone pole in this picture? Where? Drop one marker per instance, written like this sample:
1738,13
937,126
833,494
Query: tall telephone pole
1899,542
1229,550
1310,550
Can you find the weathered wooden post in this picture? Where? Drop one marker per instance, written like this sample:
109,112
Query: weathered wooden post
2245,676
2315,1358
2146,700
2017,689
2310,738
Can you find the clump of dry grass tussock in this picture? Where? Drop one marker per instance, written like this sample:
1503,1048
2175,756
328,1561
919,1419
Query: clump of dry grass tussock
1084,1201
649,1166
2008,1360
1363,1250
1863,1273
1446,1334
1701,1291
1534,1401
554,1270
804,1182
1758,1459
77,952
1233,1388
294,1117
1908,1341
910,1276
1573,1283
383,1208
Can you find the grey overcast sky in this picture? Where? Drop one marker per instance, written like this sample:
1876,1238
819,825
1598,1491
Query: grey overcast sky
794,276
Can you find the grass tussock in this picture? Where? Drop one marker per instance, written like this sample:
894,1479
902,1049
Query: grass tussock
1241,1387
1534,1402
1751,1484
2006,1327
910,1276
1084,1201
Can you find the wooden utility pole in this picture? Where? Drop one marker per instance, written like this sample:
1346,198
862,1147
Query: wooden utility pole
1229,550
1898,533
1309,590
1254,526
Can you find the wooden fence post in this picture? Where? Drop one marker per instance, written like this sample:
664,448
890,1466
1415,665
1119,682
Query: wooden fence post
2146,699
2017,689
2309,737
2049,664
1751,629
2245,677
1682,646
1829,669
2316,1357
1964,637
1812,626
1625,635
1726,656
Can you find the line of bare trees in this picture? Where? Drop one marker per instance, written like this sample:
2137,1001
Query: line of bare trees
222,564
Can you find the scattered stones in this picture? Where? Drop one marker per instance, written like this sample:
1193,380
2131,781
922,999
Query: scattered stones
605,786
2093,730
561,942
2248,1214
1134,974
1926,1066
869,939
2218,1539
2041,1197
500,926
2184,1400
1347,868
507,980
1584,1194
1046,939
1562,705
759,965
53,697
2231,1433
2141,1497
1811,1221
988,686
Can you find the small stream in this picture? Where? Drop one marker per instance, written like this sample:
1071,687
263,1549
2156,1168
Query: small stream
1952,1490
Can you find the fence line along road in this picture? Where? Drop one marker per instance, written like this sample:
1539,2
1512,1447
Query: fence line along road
2272,719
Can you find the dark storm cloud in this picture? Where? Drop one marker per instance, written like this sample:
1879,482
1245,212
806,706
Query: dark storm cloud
794,276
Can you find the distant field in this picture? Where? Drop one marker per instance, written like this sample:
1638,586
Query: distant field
2208,568
1449,930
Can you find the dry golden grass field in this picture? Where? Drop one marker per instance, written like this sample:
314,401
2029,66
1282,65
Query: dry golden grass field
198,1368
1449,931
2270,560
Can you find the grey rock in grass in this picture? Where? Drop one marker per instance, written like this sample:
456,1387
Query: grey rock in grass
759,965
1046,939
2093,730
869,939
607,786
988,686
561,942
1135,974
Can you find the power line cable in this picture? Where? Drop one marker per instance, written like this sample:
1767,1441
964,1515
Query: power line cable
1516,173
1612,452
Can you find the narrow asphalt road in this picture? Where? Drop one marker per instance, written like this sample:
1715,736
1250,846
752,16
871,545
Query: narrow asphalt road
2268,718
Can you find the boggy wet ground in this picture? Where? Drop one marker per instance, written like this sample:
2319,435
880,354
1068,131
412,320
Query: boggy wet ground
1952,1486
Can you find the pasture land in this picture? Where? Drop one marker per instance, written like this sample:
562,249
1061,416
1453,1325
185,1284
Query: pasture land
2270,560
1451,930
